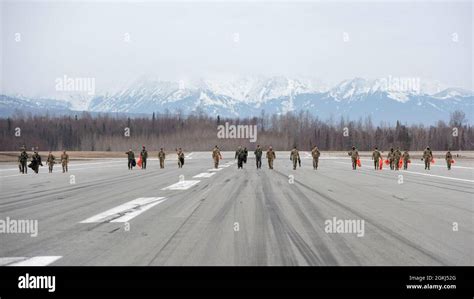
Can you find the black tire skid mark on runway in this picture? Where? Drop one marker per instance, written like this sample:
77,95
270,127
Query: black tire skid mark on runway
31,192
387,174
251,252
241,244
437,204
174,240
425,181
166,251
39,195
418,183
285,234
64,234
215,226
406,200
243,254
322,250
177,235
108,221
259,256
40,246
374,223
109,180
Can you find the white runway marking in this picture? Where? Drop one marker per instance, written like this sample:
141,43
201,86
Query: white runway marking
204,175
224,166
4,261
183,185
439,176
432,164
215,169
420,173
57,170
70,165
35,261
126,211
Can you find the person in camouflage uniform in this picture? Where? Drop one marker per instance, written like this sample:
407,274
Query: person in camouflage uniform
449,159
391,158
315,153
270,157
246,153
397,155
427,157
23,161
258,156
144,157
131,158
50,161
354,157
180,154
240,156
376,156
216,156
64,161
405,158
295,157
36,162
161,157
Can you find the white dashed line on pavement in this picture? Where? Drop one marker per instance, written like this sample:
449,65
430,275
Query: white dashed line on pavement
36,261
204,175
126,211
183,185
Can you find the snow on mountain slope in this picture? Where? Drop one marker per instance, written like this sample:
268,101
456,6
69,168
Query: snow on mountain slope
257,90
384,99
453,93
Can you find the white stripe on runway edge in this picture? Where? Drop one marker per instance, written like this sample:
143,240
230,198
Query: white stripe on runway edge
439,176
126,211
432,164
36,261
215,169
204,175
419,173
182,185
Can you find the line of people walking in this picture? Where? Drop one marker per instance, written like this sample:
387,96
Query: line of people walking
142,161
395,158
36,161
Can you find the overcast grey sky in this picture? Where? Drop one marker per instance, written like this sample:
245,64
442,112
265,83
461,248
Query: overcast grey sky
188,40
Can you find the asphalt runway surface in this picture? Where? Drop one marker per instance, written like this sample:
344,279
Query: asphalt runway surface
100,213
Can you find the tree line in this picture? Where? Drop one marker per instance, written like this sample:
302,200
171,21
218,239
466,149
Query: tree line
198,132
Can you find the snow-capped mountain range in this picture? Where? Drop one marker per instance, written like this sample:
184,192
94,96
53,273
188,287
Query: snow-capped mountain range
385,99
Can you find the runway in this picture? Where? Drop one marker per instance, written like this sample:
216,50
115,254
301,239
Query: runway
100,213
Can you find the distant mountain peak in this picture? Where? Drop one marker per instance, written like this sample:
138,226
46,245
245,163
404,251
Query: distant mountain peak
453,92
381,98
